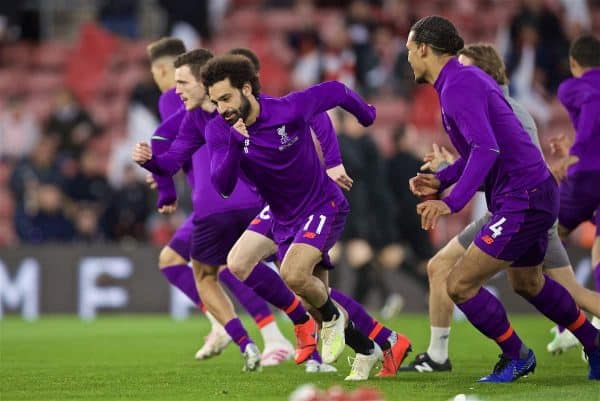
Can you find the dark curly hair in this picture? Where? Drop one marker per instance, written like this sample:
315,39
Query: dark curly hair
238,69
249,54
195,59
586,51
439,33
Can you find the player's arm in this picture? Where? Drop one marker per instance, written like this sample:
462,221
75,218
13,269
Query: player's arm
589,119
570,94
469,111
160,143
189,139
325,133
328,95
225,147
450,174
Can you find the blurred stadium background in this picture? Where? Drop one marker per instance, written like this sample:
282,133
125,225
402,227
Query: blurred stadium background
76,94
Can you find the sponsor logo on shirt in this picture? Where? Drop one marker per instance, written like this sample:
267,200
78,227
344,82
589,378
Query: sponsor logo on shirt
487,239
255,222
286,141
309,234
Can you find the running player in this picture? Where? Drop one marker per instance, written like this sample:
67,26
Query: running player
556,260
521,194
394,345
579,170
218,223
271,146
174,257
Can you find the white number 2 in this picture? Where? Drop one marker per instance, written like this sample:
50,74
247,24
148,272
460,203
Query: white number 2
322,220
496,228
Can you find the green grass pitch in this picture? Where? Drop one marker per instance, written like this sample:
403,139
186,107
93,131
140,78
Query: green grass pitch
151,358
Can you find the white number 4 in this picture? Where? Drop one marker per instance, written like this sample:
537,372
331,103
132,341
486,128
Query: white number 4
322,220
496,228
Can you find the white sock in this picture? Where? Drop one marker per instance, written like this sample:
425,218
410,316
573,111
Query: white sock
438,344
213,321
271,333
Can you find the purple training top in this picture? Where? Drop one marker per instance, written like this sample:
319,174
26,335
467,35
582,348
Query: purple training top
279,157
189,145
494,148
581,98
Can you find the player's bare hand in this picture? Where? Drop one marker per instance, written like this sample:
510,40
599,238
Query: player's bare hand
560,169
438,156
560,144
339,175
168,209
240,127
150,181
424,184
141,153
430,211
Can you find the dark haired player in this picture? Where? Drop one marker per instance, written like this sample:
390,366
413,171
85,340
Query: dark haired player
579,170
521,194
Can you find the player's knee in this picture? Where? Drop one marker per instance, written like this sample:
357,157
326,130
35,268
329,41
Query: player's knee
294,279
458,289
203,272
239,265
168,257
526,285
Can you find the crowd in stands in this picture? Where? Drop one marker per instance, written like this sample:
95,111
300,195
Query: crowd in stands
71,110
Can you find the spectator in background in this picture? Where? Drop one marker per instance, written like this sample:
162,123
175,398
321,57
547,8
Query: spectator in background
8,236
90,190
72,124
40,167
129,208
120,17
142,118
46,219
402,166
360,24
306,43
339,59
388,72
369,228
190,20
19,130
535,63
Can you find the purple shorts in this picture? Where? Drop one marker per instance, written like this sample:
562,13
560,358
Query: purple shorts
182,238
518,229
262,223
215,235
580,201
321,229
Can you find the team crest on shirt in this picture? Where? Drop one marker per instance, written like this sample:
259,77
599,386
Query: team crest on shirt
286,141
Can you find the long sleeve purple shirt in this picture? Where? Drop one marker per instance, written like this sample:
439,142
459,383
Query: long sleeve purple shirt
494,148
279,157
188,145
581,98
171,112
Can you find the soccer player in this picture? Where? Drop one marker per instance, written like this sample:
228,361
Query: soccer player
218,222
174,258
556,260
521,193
394,345
268,141
579,170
